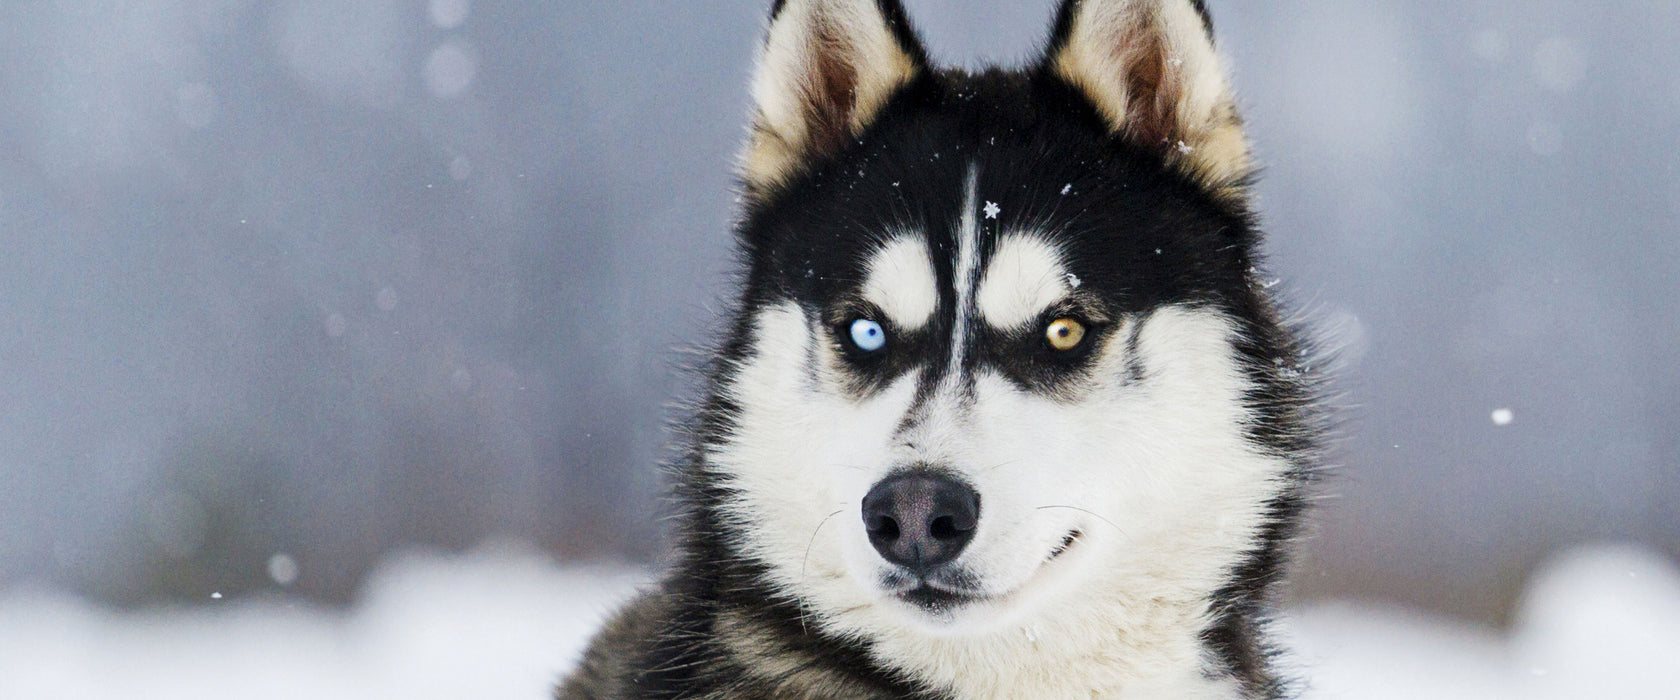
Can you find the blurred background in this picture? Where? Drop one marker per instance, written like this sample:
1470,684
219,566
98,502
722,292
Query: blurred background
288,287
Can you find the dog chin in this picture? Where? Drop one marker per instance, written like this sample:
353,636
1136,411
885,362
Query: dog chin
938,612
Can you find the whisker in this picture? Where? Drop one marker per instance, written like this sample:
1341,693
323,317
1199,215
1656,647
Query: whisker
806,563
1091,513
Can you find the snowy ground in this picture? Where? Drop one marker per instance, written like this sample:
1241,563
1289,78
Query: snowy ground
503,623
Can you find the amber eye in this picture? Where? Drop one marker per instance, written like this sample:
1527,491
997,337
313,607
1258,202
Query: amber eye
1064,334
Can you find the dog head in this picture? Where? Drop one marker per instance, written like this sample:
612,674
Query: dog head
1002,350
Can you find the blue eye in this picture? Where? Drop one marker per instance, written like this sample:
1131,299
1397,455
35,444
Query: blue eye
868,335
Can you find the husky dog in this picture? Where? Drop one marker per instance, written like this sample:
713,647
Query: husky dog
1003,411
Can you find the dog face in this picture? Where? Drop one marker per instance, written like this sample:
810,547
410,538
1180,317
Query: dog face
1001,351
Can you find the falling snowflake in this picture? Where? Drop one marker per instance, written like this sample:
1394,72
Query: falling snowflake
1503,417
1185,148
992,210
283,569
1073,280
1067,188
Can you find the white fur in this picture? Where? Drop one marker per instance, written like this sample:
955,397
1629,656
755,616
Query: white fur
1176,495
1156,474
1025,276
1180,496
901,282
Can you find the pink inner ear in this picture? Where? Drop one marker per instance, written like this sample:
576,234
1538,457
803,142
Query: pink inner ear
828,65
1152,85
832,90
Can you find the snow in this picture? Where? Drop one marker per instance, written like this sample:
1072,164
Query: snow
346,50
1559,64
460,168
1502,417
1598,622
992,210
1490,44
500,622
335,325
448,14
506,622
450,69
283,569
1545,138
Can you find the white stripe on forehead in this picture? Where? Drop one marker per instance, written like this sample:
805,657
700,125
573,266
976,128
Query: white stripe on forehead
965,275
1024,277
902,282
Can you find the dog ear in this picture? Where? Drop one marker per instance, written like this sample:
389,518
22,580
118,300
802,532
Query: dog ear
1150,68
826,70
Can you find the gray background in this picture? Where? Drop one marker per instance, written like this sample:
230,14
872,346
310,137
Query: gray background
328,279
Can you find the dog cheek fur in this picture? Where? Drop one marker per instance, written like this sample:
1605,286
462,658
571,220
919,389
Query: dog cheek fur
799,459
1166,461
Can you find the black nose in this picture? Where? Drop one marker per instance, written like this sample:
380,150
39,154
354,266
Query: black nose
920,519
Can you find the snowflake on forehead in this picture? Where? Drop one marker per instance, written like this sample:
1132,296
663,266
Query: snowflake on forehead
992,210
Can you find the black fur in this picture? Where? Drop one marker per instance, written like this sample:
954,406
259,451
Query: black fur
1142,234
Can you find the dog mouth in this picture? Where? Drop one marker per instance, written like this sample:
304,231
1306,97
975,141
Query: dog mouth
942,592
936,600
935,592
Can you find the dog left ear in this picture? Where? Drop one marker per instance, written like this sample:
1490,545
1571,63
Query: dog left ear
1150,68
827,69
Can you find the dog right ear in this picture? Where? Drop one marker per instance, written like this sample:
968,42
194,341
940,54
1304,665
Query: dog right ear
826,70
1151,70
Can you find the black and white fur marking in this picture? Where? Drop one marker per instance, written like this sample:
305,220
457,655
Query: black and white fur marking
1073,467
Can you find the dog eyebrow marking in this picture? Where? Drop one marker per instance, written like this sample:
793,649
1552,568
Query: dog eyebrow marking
1024,277
965,275
902,282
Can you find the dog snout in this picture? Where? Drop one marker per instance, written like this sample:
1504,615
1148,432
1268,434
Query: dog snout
920,519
